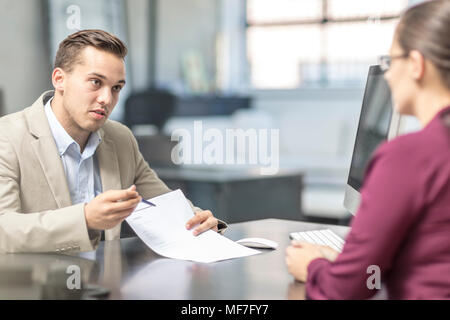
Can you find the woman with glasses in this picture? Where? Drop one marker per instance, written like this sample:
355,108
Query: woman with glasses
400,236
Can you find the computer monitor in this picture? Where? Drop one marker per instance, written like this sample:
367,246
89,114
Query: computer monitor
378,122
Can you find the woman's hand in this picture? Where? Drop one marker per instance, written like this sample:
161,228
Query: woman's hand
299,254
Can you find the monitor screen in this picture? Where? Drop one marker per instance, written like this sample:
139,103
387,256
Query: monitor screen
373,127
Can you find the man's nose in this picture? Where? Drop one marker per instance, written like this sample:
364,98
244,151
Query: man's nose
105,97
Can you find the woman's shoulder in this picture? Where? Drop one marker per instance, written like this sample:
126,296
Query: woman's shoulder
424,150
402,145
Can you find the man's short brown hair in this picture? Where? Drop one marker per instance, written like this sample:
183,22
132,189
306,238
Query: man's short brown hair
69,50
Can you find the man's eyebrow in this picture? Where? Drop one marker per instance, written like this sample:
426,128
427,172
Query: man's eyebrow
103,77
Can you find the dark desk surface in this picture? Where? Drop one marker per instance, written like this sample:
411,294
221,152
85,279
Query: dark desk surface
133,271
130,270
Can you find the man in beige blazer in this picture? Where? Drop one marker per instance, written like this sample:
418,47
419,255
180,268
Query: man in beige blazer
37,213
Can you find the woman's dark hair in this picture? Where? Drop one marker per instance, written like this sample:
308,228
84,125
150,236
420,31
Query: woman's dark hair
426,28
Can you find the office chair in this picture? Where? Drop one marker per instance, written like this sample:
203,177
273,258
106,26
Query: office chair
152,106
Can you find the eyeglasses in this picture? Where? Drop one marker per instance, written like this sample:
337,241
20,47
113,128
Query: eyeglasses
385,61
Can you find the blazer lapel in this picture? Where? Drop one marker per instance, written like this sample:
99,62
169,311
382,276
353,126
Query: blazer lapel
110,174
44,147
108,164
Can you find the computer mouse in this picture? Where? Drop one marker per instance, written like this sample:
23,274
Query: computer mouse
258,243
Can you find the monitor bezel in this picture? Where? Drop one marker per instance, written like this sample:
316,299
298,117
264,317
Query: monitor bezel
352,197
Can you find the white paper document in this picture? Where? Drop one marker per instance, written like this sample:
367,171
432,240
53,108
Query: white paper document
163,229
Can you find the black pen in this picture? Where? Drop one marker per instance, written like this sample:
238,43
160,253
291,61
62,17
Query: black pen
148,202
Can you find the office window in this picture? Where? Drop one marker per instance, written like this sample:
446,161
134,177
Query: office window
295,43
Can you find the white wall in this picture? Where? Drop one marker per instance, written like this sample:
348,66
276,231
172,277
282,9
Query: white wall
182,26
24,64
138,42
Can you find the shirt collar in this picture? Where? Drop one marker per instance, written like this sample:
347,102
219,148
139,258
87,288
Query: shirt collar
64,140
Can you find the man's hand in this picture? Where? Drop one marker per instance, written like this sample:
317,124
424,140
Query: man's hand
205,219
110,208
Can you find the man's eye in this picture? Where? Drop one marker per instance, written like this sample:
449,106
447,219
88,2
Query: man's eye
117,88
95,82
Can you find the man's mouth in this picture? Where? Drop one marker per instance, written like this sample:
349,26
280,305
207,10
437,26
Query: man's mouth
99,113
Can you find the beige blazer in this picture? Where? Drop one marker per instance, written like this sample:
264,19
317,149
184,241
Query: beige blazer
36,212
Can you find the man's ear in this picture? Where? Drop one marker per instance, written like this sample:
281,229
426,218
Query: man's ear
58,79
417,65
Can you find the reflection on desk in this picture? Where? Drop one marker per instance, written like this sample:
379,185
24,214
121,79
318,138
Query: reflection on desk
145,275
35,276
128,269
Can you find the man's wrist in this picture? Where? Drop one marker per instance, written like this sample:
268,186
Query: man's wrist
93,234
221,226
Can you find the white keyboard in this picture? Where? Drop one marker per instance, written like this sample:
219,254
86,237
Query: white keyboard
324,237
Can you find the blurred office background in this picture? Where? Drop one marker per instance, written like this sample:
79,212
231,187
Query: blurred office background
295,65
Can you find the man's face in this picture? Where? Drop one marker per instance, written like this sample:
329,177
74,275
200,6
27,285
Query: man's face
91,90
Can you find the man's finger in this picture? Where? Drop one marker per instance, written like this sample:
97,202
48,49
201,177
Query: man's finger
120,195
199,217
208,224
125,205
122,215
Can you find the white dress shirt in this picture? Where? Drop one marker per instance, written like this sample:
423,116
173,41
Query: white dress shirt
82,172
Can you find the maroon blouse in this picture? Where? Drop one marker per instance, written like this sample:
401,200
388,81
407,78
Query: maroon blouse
402,225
